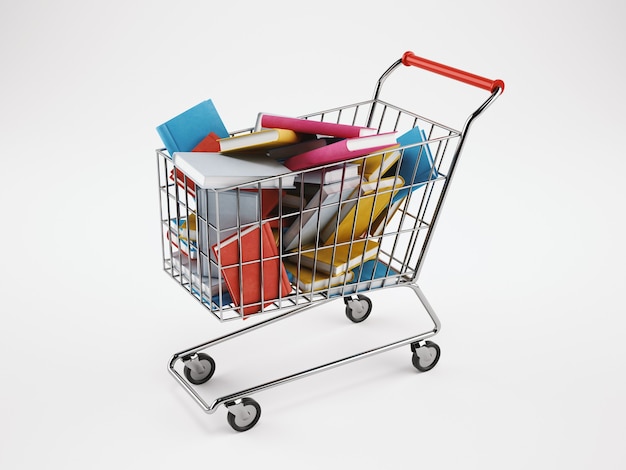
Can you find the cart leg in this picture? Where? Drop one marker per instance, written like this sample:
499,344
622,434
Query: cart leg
429,309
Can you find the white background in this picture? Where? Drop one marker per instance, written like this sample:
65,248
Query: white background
526,270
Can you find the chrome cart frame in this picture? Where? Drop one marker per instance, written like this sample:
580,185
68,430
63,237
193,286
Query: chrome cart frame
402,237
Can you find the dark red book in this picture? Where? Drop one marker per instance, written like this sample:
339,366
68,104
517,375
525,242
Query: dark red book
208,144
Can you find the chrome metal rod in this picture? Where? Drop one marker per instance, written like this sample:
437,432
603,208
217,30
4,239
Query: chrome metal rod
183,383
318,369
245,330
451,171
306,373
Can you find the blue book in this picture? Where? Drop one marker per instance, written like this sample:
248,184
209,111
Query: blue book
372,274
416,168
185,131
374,270
419,155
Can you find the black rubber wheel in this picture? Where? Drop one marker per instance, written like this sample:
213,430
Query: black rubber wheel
253,410
357,312
424,365
200,378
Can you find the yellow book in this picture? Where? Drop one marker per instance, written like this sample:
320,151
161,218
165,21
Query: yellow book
186,226
337,260
380,223
360,210
321,281
259,140
374,166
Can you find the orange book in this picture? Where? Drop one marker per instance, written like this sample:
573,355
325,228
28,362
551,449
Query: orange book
253,254
208,144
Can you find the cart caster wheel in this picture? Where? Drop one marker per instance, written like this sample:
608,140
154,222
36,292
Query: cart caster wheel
245,414
359,309
202,369
425,357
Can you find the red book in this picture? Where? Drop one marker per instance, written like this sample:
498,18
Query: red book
208,144
254,254
181,179
340,151
311,126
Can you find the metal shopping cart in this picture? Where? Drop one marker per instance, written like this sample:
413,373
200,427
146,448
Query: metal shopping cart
283,244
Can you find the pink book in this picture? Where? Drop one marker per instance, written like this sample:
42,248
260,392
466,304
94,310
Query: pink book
342,150
310,126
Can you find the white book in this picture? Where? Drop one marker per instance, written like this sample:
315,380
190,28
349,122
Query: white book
220,214
330,174
214,170
209,286
224,212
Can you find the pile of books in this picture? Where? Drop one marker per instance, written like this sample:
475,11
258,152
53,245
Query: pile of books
290,204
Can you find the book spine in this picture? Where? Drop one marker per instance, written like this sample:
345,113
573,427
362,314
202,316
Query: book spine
320,156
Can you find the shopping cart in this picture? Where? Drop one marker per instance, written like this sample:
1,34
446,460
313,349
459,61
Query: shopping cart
276,246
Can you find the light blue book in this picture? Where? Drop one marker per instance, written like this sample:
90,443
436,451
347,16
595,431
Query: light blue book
376,271
418,156
184,132
372,274
416,168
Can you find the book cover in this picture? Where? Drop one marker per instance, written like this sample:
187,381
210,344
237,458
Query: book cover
307,282
184,132
185,227
375,274
374,166
336,260
270,198
254,141
207,286
360,210
187,248
310,126
182,180
341,150
380,223
221,213
253,254
215,170
372,274
416,168
208,144
320,210
182,235
416,164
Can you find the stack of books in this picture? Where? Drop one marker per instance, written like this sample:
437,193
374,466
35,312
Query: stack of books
291,205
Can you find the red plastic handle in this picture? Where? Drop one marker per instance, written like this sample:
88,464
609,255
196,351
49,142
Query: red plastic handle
408,58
